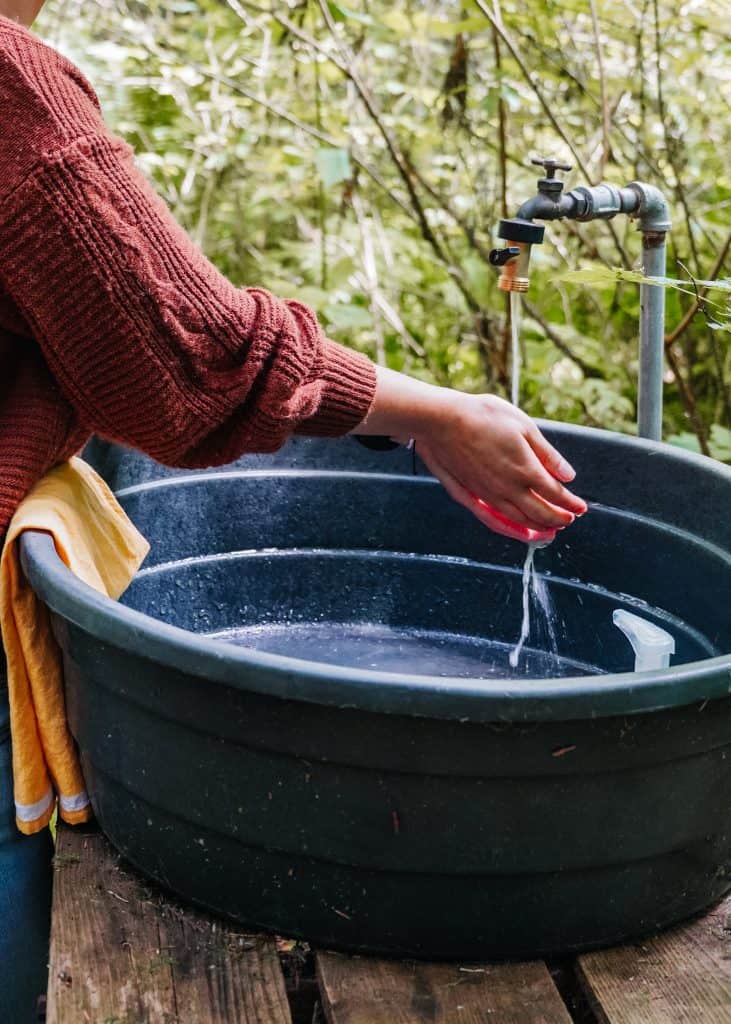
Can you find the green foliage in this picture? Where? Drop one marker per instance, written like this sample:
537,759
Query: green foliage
719,442
334,166
351,156
718,314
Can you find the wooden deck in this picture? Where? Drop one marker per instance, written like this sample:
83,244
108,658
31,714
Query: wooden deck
122,953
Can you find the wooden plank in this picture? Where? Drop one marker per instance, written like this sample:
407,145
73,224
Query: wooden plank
359,990
123,953
680,977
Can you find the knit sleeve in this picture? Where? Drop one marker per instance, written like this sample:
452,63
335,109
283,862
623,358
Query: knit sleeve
151,345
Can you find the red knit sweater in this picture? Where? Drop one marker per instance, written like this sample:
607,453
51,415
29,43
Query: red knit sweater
113,322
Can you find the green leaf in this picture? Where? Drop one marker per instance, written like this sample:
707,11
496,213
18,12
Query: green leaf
490,102
397,21
313,296
347,315
340,272
720,442
333,166
449,29
685,440
439,28
510,95
341,13
600,275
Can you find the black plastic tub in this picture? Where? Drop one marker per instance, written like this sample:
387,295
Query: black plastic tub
458,816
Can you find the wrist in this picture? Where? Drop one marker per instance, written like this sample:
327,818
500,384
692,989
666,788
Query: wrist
405,408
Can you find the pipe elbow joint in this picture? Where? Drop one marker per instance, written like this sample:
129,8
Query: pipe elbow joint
653,211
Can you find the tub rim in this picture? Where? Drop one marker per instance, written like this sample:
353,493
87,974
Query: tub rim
284,677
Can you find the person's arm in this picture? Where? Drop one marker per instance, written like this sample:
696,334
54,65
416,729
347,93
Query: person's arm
489,455
155,349
151,345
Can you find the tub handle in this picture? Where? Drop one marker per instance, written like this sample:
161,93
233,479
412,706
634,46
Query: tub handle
651,644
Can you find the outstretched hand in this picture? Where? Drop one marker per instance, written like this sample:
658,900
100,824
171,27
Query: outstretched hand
489,455
493,459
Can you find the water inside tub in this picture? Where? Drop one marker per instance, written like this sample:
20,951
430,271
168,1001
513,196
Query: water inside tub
363,645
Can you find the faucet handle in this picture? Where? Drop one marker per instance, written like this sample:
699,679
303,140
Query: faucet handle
499,257
551,166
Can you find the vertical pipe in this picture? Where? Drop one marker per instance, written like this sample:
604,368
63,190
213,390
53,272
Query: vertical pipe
652,337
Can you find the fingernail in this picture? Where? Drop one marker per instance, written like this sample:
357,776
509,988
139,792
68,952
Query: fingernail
566,470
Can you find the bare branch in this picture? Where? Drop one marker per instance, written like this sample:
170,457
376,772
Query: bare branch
670,142
606,149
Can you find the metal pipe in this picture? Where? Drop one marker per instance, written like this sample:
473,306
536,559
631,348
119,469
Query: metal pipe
652,337
654,222
603,202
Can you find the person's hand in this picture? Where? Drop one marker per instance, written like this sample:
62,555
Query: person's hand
493,459
489,455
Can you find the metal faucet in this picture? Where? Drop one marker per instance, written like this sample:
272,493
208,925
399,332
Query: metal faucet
600,202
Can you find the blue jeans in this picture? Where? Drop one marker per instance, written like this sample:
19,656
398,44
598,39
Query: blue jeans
25,897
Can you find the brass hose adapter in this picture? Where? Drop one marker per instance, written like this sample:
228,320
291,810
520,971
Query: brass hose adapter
515,259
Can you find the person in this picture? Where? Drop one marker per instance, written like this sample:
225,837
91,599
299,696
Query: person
112,322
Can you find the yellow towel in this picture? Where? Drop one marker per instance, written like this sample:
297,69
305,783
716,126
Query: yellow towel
99,544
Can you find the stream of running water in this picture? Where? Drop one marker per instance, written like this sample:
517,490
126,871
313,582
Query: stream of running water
515,352
533,585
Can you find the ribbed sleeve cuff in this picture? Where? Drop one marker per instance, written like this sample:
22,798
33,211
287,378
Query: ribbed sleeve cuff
348,381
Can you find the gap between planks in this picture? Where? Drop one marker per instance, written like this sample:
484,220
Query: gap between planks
359,990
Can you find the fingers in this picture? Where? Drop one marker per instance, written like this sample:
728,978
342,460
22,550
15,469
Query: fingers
538,517
509,528
511,512
555,494
543,513
548,456
548,487
520,528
